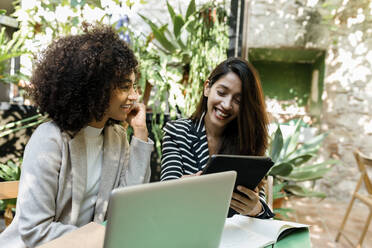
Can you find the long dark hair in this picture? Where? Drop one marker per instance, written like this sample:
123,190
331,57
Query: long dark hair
247,134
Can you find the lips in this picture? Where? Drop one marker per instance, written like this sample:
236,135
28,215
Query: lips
220,114
126,107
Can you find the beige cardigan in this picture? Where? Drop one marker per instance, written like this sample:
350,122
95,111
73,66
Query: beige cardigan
53,181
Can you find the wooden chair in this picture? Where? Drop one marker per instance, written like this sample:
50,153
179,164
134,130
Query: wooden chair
8,190
362,162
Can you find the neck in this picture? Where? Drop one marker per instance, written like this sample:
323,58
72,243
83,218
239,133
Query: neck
211,130
98,124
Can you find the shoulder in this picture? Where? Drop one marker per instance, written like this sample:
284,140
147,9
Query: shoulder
47,130
179,125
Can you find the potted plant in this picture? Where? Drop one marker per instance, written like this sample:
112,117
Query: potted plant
294,164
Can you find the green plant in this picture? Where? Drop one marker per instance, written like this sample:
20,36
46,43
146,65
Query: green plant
10,48
16,126
293,164
9,171
177,61
197,43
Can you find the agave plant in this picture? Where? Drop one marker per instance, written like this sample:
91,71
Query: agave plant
293,162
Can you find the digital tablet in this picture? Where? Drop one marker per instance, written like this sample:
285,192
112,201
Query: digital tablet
250,169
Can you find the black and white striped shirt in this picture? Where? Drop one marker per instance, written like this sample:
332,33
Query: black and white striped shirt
185,152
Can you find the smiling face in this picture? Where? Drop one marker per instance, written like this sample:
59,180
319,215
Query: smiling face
121,102
122,99
223,103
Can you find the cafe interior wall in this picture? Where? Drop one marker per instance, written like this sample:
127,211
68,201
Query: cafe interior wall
345,90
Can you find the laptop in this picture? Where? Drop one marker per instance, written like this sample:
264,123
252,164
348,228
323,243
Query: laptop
188,212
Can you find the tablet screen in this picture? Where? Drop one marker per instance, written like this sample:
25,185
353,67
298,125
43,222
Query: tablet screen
250,169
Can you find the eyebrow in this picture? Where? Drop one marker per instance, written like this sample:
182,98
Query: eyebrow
227,88
127,80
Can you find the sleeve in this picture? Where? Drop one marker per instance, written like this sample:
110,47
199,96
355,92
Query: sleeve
137,162
171,162
266,212
38,189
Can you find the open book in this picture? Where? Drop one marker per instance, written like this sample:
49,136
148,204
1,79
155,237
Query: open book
241,231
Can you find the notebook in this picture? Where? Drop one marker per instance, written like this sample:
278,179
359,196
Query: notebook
188,212
243,231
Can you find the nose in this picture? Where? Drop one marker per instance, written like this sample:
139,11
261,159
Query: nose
227,103
133,95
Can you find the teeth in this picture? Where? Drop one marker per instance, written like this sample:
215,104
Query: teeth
220,113
126,106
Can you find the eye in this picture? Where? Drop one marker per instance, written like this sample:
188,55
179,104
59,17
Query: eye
221,93
126,86
237,100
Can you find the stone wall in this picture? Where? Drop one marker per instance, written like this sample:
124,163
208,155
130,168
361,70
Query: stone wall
347,96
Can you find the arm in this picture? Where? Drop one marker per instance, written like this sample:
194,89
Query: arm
137,162
171,162
38,189
137,159
266,212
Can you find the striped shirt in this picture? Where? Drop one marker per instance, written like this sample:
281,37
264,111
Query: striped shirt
185,152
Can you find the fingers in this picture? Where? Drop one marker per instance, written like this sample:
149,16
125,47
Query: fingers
250,193
192,175
245,203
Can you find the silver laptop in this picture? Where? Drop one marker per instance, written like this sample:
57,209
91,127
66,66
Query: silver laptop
188,212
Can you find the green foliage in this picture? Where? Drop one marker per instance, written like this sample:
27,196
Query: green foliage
292,163
176,61
16,126
10,49
10,171
195,45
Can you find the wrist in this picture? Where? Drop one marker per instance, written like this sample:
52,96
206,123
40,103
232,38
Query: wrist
256,210
141,133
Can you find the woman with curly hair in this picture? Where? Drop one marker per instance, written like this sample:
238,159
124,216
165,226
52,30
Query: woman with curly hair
86,85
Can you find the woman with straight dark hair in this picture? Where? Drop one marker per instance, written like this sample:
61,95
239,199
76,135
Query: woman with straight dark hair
230,118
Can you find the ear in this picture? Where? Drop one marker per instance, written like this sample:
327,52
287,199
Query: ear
206,88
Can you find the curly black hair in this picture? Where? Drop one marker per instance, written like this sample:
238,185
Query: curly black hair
73,78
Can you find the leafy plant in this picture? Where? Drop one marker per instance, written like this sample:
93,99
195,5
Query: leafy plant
10,48
195,45
176,61
293,163
16,126
10,171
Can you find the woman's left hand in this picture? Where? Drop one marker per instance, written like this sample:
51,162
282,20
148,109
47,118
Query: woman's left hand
136,118
247,202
